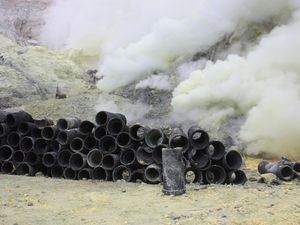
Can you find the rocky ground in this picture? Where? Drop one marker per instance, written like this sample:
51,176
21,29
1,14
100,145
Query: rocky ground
39,200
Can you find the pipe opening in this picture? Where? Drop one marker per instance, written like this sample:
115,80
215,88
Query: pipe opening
238,177
215,175
287,173
76,161
100,173
48,160
115,126
69,173
154,138
152,174
216,150
108,162
199,159
86,127
90,142
191,176
6,152
62,124
62,137
40,146
144,157
57,171
127,157
108,144
23,169
26,144
84,174
121,173
32,158
123,139
36,132
101,118
48,133
296,167
13,139
63,158
233,160
77,144
94,158
99,133
18,156
7,167
137,176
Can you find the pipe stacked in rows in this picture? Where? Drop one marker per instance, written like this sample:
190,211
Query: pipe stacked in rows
110,150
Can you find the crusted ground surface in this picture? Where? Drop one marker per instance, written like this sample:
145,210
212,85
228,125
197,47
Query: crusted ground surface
39,200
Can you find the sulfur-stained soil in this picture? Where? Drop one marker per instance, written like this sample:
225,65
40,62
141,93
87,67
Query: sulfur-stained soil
39,200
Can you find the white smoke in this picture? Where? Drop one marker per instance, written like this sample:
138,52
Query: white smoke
133,39
264,85
160,82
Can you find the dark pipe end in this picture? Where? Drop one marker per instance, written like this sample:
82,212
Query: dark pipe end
237,177
101,118
85,173
90,142
25,169
193,175
153,173
62,124
232,160
99,132
296,167
49,159
115,126
215,175
121,173
108,144
13,139
285,173
18,156
26,144
6,153
49,133
123,139
154,137
198,138
143,156
215,150
32,158
7,167
40,146
57,171
99,173
127,157
137,132
198,158
138,176
262,167
77,161
77,144
110,161
63,157
86,127
69,173
94,158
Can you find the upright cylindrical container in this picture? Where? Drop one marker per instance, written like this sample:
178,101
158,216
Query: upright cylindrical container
173,171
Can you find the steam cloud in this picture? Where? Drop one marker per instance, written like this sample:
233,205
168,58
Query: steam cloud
134,39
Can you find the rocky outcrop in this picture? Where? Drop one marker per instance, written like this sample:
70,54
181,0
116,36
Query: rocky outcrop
33,73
